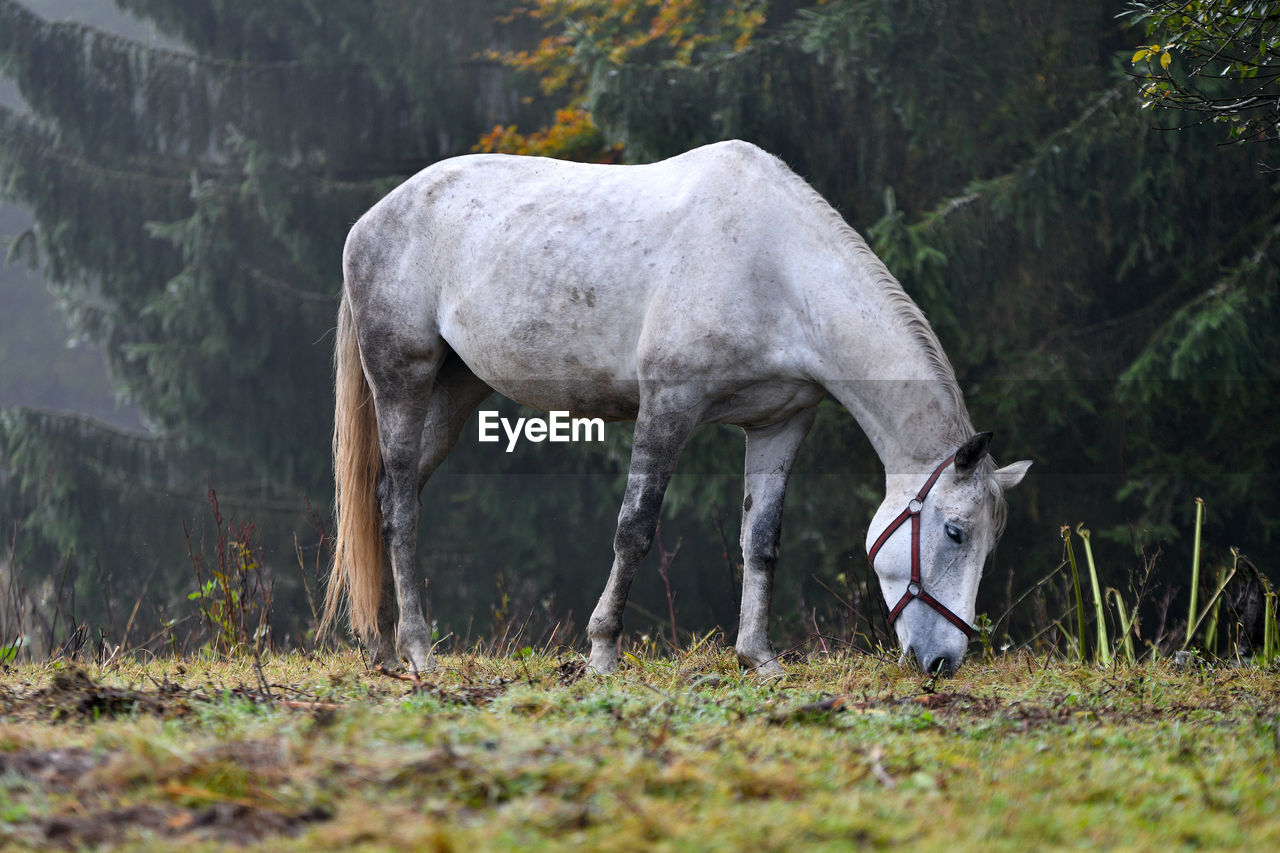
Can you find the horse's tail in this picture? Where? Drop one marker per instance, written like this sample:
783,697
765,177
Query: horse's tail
357,550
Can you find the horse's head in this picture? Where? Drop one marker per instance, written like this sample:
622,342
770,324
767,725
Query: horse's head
928,542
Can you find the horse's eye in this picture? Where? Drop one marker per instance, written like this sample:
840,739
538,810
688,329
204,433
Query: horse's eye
955,534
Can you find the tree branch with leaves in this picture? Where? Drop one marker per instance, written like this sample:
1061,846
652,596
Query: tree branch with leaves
1218,61
665,33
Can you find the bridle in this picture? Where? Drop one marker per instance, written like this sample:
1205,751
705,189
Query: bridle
915,588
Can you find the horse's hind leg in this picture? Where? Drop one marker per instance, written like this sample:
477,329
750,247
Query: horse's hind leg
382,648
663,426
455,396
454,393
770,452
401,391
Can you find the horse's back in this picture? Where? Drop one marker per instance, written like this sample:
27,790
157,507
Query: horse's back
564,285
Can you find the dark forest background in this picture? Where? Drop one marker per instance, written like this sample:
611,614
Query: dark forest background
1102,275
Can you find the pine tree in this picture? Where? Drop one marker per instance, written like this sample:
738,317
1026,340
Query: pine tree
191,207
1105,286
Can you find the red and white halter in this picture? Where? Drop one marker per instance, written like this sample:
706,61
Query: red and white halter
915,588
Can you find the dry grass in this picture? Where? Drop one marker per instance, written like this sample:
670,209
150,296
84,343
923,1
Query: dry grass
671,753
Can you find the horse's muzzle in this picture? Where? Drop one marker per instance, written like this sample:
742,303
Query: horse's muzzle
935,658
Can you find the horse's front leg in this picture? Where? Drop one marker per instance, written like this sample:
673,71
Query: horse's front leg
770,453
662,428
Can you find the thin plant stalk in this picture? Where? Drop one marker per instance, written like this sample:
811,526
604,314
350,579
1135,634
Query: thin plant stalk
1075,580
1211,627
1126,626
1217,594
1270,630
1104,647
1195,570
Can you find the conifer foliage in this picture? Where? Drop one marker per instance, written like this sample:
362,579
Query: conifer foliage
1105,283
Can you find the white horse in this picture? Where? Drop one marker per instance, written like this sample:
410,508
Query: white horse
713,287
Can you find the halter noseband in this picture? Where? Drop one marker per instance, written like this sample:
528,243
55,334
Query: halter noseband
915,589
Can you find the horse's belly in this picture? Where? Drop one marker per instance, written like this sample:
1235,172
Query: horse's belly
550,345
559,361
762,403
556,370
612,400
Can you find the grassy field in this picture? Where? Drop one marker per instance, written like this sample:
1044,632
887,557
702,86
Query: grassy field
316,752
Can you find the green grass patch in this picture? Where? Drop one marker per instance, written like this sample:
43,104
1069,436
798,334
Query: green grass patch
316,752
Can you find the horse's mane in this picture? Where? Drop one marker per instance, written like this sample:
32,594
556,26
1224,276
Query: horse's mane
905,309
914,323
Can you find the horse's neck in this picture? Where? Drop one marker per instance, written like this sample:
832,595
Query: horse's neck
911,423
903,396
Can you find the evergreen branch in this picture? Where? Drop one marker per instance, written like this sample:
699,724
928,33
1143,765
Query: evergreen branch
15,18
284,287
1051,147
129,462
21,133
122,99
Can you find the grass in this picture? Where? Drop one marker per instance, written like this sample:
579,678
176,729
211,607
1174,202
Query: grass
685,752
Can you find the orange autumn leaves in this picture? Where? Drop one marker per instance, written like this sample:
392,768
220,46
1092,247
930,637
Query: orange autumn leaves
654,32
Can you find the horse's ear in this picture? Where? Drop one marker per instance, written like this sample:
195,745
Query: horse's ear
971,453
1011,475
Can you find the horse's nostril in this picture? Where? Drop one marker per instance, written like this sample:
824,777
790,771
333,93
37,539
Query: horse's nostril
940,665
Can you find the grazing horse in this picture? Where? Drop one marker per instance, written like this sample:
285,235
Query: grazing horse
713,287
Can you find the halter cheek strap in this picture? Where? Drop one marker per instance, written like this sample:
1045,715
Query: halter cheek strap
915,589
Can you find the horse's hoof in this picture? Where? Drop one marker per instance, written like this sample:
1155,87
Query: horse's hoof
389,663
763,664
417,656
602,667
382,654
602,664
770,669
422,667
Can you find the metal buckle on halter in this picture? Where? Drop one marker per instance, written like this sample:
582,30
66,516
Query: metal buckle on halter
915,506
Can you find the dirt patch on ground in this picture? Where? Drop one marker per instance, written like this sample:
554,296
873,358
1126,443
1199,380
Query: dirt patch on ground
96,785
227,794
96,782
232,823
86,776
73,696
56,767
